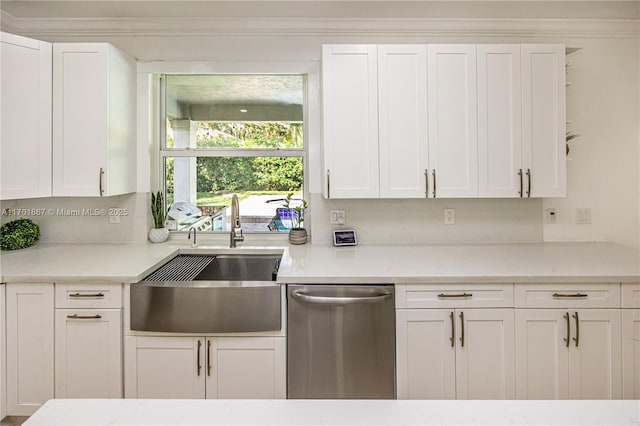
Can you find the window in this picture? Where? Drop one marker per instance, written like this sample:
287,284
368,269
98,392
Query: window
227,134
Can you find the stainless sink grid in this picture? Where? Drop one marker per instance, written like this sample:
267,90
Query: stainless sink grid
184,267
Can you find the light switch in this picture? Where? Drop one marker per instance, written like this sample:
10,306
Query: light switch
337,217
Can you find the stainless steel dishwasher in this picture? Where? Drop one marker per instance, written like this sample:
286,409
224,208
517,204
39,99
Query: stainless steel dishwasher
341,341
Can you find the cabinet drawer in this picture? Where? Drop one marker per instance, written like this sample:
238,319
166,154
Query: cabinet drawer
88,295
562,295
454,296
631,295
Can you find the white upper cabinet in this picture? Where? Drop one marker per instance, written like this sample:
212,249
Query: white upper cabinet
350,117
543,120
402,103
453,129
26,118
94,127
499,121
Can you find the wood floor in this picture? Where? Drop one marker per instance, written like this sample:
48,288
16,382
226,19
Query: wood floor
13,420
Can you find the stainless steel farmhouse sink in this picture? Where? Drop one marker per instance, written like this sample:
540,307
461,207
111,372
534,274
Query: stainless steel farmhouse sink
209,294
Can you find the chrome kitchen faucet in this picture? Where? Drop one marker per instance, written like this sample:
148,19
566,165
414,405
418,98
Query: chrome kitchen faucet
235,222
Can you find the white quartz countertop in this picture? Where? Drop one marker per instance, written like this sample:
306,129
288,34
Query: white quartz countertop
309,264
71,412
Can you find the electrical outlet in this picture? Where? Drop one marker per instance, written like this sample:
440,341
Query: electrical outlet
114,219
552,216
337,217
449,216
583,216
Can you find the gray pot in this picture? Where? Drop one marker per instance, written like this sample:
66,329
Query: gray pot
298,236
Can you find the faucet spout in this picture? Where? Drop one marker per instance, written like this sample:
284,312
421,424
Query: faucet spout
235,222
195,242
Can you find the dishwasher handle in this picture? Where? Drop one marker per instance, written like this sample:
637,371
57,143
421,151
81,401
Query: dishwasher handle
301,296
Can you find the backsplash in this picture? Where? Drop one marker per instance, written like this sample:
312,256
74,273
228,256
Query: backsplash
421,221
80,219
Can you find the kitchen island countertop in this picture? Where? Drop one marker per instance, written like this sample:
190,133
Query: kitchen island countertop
70,412
311,264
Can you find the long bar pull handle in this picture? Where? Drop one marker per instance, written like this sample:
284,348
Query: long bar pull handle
101,175
434,183
462,329
76,316
453,330
443,295
328,183
520,175
561,295
86,295
426,183
340,300
528,183
199,364
577,338
568,338
208,357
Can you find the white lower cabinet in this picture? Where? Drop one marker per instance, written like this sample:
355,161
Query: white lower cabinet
206,367
568,353
631,353
455,354
30,378
88,353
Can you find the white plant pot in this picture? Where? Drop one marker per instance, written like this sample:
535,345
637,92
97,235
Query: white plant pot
158,235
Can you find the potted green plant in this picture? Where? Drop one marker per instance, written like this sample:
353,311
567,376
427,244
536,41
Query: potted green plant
158,233
297,234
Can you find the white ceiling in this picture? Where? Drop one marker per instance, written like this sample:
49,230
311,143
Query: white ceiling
166,9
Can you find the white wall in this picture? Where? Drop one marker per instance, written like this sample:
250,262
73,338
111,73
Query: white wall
602,167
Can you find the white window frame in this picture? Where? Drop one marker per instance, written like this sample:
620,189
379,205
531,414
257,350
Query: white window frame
149,74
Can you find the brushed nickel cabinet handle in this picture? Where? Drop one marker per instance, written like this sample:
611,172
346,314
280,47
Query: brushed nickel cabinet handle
208,357
328,183
426,183
462,329
86,295
443,295
434,183
528,183
568,338
453,330
199,347
76,316
577,338
100,181
561,295
520,175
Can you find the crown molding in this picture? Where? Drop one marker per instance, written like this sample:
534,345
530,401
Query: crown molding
172,27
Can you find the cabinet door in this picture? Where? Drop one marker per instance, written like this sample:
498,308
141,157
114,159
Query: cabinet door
485,354
169,367
80,119
425,354
453,119
246,367
402,103
29,347
499,120
542,355
88,353
631,353
26,118
595,359
543,120
350,120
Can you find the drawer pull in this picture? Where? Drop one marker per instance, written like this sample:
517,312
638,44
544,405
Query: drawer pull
76,316
559,295
86,295
444,296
